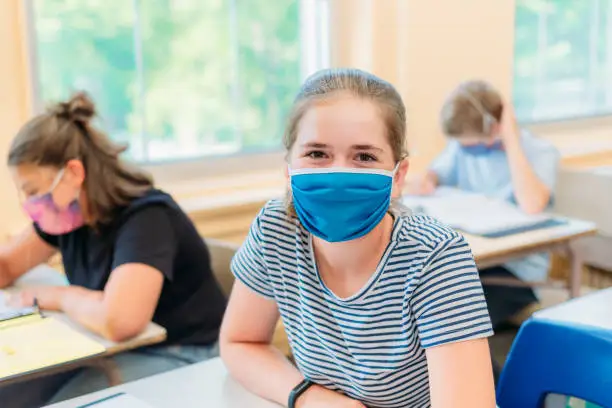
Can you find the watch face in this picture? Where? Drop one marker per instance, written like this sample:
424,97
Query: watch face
564,401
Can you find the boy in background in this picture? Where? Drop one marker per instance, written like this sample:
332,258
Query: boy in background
488,153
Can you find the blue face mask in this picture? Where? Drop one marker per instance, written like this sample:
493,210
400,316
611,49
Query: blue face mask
482,149
341,204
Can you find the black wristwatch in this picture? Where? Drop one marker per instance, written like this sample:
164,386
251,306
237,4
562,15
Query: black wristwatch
297,391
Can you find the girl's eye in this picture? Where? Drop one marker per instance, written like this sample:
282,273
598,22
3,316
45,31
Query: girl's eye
366,157
316,154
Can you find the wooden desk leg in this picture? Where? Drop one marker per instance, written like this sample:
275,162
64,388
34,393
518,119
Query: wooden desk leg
575,278
110,370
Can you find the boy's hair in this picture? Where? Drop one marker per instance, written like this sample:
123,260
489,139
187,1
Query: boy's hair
462,113
64,133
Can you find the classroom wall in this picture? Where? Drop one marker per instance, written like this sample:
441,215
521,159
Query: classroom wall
14,106
426,48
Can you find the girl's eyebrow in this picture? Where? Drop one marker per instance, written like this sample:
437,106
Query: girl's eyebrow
367,147
315,145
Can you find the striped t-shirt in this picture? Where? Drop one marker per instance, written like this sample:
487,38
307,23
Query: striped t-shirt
371,346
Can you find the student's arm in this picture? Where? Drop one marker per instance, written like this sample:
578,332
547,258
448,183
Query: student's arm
143,258
532,182
246,335
422,184
441,172
460,375
120,312
453,323
22,254
246,350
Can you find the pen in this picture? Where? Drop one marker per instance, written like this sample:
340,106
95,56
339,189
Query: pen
37,308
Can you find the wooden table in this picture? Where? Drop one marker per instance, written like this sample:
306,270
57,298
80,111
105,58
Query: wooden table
206,384
497,251
46,276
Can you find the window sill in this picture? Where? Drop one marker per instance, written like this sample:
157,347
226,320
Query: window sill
218,196
583,143
587,141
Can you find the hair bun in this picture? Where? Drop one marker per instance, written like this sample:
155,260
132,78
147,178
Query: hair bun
79,108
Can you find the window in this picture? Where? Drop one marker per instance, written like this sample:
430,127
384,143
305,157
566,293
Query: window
180,79
563,59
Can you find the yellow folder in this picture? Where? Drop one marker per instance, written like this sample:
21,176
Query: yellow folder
32,343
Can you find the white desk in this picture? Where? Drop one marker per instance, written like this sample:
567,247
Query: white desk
206,384
594,309
47,276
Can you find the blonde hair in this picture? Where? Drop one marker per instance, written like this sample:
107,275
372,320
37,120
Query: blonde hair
327,83
460,115
65,133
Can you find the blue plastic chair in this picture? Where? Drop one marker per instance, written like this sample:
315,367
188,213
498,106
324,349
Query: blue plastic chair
553,357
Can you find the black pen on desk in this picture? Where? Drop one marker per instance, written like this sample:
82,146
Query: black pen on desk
37,308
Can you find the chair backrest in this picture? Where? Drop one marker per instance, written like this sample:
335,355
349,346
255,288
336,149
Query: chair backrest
221,254
561,358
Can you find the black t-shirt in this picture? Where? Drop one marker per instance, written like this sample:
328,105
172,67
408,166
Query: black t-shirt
151,230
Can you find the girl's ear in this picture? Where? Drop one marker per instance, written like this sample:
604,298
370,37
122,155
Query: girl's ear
74,172
400,178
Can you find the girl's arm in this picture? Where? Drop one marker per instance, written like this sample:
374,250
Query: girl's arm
460,375
246,335
120,312
22,254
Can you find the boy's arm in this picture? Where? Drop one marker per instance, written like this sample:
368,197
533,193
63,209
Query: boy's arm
531,190
443,170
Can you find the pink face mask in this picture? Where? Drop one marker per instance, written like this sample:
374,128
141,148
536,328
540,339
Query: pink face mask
52,220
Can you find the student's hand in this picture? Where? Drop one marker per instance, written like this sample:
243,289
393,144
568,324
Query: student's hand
5,277
424,184
48,297
509,129
320,397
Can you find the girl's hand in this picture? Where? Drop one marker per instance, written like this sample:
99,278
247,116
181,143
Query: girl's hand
48,297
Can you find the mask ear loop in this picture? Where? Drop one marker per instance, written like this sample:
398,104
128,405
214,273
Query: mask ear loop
487,119
404,157
57,179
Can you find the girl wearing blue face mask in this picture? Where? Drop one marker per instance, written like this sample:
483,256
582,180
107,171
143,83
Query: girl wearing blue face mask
381,308
130,254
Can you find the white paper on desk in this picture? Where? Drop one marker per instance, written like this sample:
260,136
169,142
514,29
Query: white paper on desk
472,213
121,400
4,308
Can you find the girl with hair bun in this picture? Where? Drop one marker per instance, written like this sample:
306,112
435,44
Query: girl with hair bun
130,254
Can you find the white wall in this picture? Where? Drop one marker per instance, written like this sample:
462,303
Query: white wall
14,103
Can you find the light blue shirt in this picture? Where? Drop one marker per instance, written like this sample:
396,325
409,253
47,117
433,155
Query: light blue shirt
490,174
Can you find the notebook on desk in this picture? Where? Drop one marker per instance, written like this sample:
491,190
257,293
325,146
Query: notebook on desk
478,214
30,342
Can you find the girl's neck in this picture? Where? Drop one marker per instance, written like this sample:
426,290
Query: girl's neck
85,209
350,257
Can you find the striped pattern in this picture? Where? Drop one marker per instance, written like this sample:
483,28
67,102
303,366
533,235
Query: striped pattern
371,346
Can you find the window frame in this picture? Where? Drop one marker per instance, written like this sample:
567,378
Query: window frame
588,120
315,43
